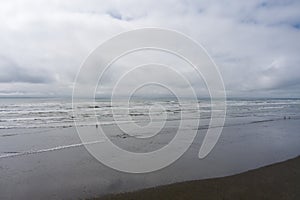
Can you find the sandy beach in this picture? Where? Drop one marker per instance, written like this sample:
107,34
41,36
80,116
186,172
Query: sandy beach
277,181
53,164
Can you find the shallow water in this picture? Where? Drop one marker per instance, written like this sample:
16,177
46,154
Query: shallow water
55,113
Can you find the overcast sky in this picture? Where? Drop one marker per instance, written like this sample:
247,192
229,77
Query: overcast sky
255,44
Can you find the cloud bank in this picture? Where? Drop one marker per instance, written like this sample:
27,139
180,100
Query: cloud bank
255,44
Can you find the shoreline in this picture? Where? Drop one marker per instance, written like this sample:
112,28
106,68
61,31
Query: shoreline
275,181
56,172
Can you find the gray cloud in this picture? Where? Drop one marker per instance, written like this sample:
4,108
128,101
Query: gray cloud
12,72
254,43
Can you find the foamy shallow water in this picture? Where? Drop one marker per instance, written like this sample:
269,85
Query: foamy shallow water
55,113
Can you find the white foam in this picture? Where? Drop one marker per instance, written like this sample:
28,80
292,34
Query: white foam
14,154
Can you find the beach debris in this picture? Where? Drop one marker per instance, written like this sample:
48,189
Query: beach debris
124,135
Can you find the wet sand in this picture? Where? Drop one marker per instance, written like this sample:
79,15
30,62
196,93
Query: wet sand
70,172
278,181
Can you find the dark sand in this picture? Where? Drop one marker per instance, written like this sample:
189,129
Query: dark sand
277,181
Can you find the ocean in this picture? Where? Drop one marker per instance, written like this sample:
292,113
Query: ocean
24,113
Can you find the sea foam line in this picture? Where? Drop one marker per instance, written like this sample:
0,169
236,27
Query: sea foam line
14,154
